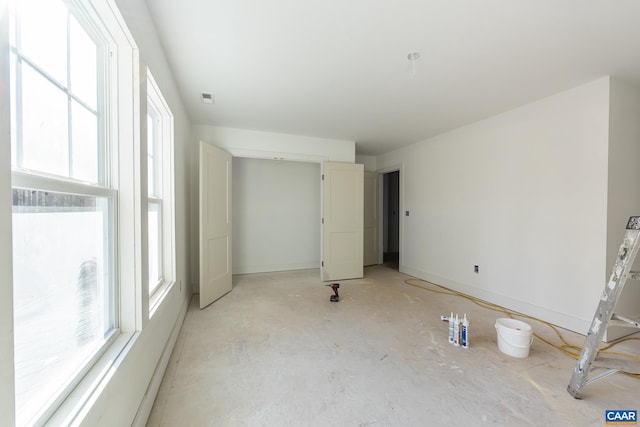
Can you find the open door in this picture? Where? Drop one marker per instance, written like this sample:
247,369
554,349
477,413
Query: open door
371,251
215,223
342,221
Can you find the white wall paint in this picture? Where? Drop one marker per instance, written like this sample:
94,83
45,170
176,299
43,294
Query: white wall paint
260,145
370,162
624,178
6,282
521,194
267,145
276,221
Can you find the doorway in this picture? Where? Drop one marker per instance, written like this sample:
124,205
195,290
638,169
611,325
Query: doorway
276,221
391,219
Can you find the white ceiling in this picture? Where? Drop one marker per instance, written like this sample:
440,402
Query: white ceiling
339,68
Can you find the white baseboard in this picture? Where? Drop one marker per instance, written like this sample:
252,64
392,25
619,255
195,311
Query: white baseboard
144,410
562,320
250,269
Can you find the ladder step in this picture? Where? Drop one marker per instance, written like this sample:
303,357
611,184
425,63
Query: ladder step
601,375
628,366
618,320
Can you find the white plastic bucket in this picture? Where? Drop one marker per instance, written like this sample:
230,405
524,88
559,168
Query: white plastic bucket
514,337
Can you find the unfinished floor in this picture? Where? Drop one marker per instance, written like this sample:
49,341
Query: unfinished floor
277,352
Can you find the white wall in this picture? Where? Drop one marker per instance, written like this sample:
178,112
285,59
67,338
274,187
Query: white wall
523,195
624,178
369,162
259,145
267,145
276,220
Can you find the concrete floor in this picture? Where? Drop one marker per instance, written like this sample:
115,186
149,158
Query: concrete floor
277,352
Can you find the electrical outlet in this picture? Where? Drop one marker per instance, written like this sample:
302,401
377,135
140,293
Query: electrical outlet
476,269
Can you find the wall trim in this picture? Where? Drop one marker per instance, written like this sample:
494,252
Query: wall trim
562,320
251,269
146,404
276,155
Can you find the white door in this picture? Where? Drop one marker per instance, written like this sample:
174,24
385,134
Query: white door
371,223
342,221
215,223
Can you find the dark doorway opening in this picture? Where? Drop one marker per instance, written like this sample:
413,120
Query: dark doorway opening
391,219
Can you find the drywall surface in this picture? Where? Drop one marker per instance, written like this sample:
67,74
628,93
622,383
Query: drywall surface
276,221
623,195
267,145
369,162
522,195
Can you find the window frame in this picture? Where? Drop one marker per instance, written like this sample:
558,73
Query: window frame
163,128
40,180
7,404
120,98
79,13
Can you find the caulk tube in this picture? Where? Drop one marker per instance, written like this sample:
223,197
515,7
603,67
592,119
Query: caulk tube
451,328
456,331
465,332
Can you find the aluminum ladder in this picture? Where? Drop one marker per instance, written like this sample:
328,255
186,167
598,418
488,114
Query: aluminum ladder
605,317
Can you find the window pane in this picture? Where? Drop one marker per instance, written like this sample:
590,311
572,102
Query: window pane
44,125
151,172
14,125
62,279
43,35
83,64
155,244
84,143
151,166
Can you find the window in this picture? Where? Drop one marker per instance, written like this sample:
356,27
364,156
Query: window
56,110
154,199
160,188
66,199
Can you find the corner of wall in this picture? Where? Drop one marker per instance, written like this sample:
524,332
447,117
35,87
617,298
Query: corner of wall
369,162
537,172
270,145
623,199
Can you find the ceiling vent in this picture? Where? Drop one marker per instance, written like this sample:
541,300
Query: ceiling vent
207,98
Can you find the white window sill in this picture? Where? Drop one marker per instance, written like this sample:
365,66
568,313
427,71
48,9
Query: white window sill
81,399
159,294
